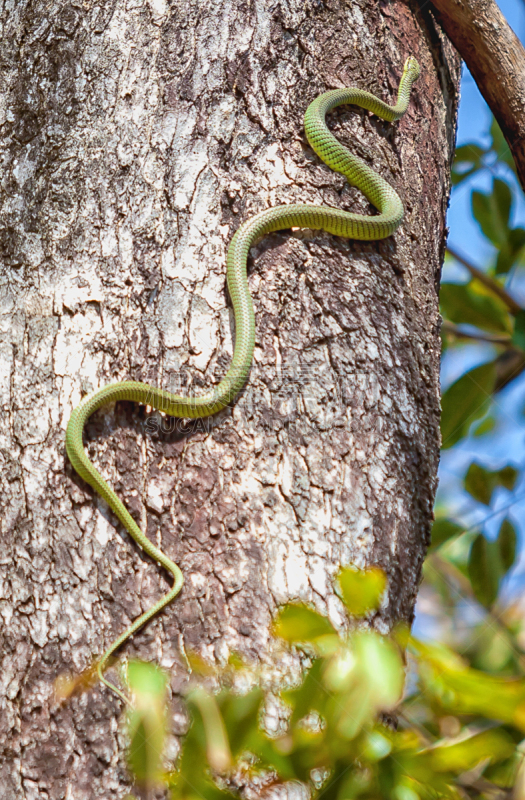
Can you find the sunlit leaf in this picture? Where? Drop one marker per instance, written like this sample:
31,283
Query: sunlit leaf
343,669
377,746
296,622
361,589
444,658
494,745
465,402
496,698
404,792
217,743
468,691
366,678
492,649
146,722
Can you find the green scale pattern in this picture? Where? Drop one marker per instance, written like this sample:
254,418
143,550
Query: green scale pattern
332,220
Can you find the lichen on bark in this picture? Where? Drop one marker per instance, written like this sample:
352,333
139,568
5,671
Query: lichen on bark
135,137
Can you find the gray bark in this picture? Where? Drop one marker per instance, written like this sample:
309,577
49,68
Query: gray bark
135,137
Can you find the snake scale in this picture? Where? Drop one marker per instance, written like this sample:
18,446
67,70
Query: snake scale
340,223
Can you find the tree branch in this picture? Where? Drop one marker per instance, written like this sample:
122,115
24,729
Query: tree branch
496,59
449,327
487,281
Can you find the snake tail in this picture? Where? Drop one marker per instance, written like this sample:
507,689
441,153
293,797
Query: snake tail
332,220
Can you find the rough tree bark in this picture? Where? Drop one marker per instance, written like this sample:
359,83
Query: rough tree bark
135,137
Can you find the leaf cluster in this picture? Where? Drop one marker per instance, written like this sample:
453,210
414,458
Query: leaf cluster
349,731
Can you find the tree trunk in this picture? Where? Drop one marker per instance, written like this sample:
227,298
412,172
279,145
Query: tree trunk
135,138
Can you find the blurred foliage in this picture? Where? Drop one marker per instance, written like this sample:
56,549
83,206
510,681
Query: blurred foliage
458,731
481,311
376,717
146,722
467,400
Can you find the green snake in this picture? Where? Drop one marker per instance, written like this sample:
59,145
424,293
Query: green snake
341,223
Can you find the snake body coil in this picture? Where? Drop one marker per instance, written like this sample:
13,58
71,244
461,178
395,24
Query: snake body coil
341,223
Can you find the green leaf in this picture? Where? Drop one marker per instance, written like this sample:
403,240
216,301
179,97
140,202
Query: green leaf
444,529
492,211
381,665
468,160
466,401
192,779
493,650
496,698
361,590
310,695
495,745
241,718
462,690
507,477
362,681
470,304
485,426
146,722
217,743
504,774
146,681
484,570
296,622
500,146
511,251
507,540
480,483
376,746
518,337
403,792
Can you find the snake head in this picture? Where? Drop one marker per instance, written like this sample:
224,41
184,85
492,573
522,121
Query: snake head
411,69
